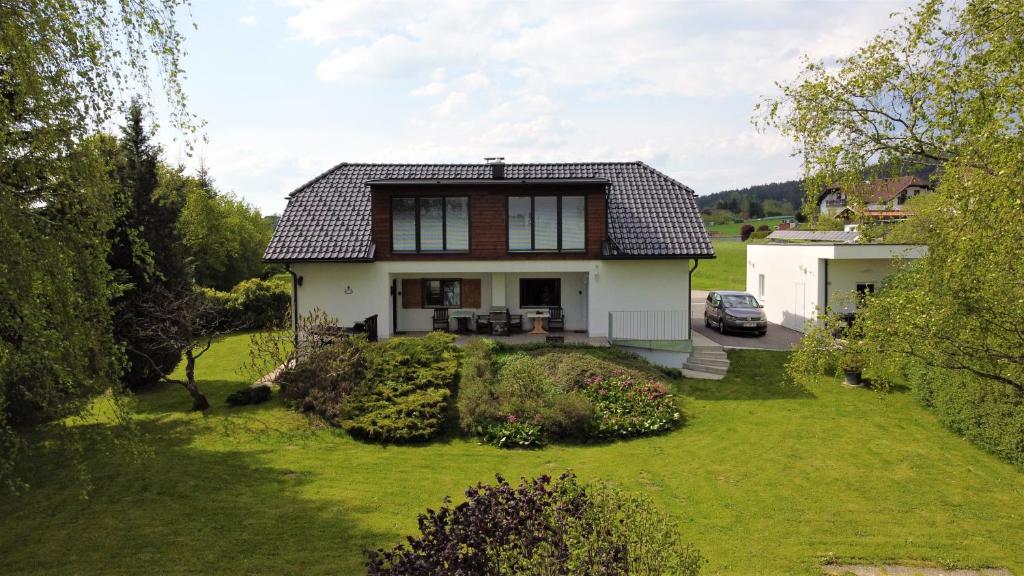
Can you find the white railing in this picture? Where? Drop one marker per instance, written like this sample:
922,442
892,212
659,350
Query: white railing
648,325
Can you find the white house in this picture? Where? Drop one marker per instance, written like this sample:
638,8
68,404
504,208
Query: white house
611,246
883,199
800,273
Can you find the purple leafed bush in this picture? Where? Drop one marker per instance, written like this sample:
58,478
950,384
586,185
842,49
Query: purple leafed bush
541,527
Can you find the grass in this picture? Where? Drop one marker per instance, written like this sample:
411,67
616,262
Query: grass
733,228
727,271
765,478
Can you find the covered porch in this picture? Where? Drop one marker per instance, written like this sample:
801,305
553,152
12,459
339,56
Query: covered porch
466,302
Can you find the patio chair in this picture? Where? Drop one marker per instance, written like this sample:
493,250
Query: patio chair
499,321
483,323
440,319
515,322
557,319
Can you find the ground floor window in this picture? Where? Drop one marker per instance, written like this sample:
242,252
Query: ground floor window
865,289
442,293
540,292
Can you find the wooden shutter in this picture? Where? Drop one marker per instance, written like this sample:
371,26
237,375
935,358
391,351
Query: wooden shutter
411,293
470,292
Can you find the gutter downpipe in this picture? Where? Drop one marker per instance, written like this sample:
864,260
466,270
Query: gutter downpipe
825,308
689,304
295,304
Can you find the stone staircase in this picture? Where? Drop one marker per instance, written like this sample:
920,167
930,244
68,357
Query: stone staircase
708,360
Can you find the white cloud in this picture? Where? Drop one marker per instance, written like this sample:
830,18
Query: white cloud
248,20
624,46
453,103
669,83
429,89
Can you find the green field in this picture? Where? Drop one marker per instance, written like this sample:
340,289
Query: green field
765,478
727,271
733,228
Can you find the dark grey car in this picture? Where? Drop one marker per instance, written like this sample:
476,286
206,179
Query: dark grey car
731,311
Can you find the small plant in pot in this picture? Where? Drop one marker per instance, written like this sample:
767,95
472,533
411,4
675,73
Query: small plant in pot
852,363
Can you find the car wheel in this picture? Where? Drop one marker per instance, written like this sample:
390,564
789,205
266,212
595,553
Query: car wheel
721,325
762,333
707,323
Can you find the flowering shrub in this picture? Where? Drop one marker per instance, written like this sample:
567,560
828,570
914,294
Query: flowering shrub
626,406
540,528
519,400
515,433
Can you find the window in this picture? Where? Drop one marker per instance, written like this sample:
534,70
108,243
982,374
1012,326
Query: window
739,301
436,224
442,293
865,289
540,292
546,223
403,224
760,286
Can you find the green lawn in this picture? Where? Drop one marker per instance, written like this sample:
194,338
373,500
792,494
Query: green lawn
765,478
733,228
727,271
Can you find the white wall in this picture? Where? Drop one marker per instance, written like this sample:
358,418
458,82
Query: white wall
346,292
844,275
349,292
637,285
792,281
795,276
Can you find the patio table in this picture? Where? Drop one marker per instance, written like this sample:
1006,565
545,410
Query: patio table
462,318
538,317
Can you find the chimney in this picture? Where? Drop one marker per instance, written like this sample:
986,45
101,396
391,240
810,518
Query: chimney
497,167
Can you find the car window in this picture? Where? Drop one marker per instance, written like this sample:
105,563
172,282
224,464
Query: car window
715,300
740,301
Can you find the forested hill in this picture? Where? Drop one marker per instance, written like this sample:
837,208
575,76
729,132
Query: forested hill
791,191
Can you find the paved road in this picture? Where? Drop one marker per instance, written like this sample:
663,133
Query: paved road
777,338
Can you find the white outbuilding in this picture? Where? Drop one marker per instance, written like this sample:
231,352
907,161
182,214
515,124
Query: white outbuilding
799,273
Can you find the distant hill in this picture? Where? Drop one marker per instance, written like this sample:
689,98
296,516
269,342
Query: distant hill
791,191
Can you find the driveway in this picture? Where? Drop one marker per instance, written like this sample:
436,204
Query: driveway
777,338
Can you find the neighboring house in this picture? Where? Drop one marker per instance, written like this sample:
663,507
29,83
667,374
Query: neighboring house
884,199
611,244
799,273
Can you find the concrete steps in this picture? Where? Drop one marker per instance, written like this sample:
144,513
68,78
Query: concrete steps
707,361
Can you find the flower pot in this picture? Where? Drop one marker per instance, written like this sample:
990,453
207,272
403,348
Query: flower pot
852,376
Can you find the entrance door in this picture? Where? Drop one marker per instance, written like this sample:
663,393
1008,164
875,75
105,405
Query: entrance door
799,306
394,306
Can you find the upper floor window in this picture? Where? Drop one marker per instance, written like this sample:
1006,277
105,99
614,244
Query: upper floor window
541,223
430,224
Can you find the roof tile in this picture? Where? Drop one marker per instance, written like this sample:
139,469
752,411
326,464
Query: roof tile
649,214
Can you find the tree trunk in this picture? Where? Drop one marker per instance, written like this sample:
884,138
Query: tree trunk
199,401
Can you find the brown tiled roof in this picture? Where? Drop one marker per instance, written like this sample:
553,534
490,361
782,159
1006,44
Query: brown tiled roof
649,214
879,191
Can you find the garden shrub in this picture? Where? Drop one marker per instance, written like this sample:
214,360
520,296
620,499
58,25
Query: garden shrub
990,415
397,390
518,400
249,395
412,417
515,433
759,235
542,527
478,400
745,231
627,406
255,304
764,228
261,303
571,370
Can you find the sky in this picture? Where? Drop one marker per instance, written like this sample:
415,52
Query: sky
290,88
